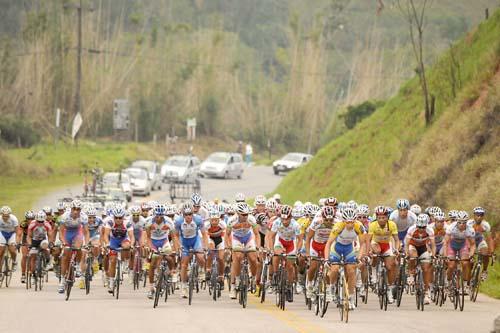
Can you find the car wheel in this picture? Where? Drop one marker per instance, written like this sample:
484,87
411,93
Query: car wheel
226,175
241,174
276,172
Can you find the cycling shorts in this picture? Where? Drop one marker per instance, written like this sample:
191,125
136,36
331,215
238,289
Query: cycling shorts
162,245
347,251
385,248
7,238
422,252
462,248
317,249
116,243
287,245
193,243
73,235
217,242
246,243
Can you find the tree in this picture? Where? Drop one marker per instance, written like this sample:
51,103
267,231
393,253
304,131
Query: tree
414,13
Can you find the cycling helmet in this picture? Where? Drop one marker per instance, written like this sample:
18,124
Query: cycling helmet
41,216
48,210
239,197
271,205
119,212
321,202
170,210
29,215
242,208
286,211
439,216
260,218
453,214
196,199
315,209
403,204
135,210
298,203
328,212
463,215
422,221
5,210
331,201
60,205
381,210
352,204
214,213
76,204
479,211
433,210
348,214
297,212
159,210
277,197
308,209
230,209
416,209
341,205
187,208
221,209
363,210
145,206
91,211
260,200
389,210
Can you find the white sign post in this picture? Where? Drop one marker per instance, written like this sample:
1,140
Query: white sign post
77,123
191,129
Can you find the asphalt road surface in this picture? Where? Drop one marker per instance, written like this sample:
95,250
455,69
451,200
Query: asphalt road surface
47,311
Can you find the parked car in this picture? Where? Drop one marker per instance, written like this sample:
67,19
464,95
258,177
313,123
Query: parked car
222,165
117,179
153,169
115,195
139,181
290,161
181,169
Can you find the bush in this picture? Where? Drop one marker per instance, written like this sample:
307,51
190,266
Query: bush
18,132
355,113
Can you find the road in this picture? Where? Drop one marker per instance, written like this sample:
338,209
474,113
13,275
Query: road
48,312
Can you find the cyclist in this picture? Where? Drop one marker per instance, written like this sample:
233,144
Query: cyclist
416,209
9,235
403,217
158,231
215,228
344,234
138,224
242,234
73,231
303,215
439,229
363,215
317,236
117,234
188,228
198,209
380,233
145,209
484,242
29,216
460,240
419,243
285,238
95,225
39,235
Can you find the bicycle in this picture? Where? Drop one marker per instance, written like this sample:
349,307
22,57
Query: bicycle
6,274
342,291
419,284
214,288
89,272
319,287
382,282
193,276
281,282
39,272
477,269
70,274
401,282
162,285
264,276
227,268
118,273
245,283
137,268
457,290
439,294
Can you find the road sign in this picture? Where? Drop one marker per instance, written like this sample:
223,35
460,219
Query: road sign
77,123
121,114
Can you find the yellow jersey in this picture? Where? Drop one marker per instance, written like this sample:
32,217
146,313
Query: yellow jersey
304,223
343,236
382,235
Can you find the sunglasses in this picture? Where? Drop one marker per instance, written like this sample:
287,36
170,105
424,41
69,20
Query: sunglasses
194,206
230,214
245,215
479,214
350,222
136,215
188,214
363,217
462,222
119,218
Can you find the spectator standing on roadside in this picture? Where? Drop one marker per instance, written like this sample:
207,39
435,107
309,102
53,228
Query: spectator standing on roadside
248,153
239,150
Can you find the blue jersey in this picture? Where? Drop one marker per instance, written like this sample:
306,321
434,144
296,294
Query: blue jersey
95,226
189,230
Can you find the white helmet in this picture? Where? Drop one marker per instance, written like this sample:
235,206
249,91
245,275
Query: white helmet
298,203
239,197
416,209
76,204
463,215
41,216
260,200
297,212
349,214
363,210
352,204
422,220
439,216
5,210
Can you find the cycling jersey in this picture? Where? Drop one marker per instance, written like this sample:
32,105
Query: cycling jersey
382,235
457,236
94,228
480,230
160,230
39,231
438,236
70,223
304,223
189,233
287,233
138,227
403,223
118,230
344,236
240,229
420,237
9,225
216,231
321,230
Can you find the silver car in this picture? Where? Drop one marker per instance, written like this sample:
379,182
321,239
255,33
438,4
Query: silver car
118,179
181,169
139,181
153,169
222,165
290,161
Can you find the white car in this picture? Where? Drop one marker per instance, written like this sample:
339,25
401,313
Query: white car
290,161
181,169
118,179
222,165
153,169
139,181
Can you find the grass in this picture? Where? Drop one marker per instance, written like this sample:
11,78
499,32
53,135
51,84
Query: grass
491,286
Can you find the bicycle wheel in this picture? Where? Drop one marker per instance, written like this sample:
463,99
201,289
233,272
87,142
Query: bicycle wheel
382,290
283,289
88,276
158,289
401,285
474,282
263,284
192,276
243,291
461,301
7,268
345,299
166,286
339,296
69,280
419,294
324,304
118,275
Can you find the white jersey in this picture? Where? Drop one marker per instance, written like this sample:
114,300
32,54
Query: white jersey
286,233
241,229
321,230
9,225
457,235
403,223
71,223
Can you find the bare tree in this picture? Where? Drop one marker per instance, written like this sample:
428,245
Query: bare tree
414,13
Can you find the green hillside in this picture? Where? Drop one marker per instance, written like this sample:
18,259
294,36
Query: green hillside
452,163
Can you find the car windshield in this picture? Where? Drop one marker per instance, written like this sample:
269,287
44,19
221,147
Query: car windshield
148,165
110,178
218,158
177,161
137,173
292,157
